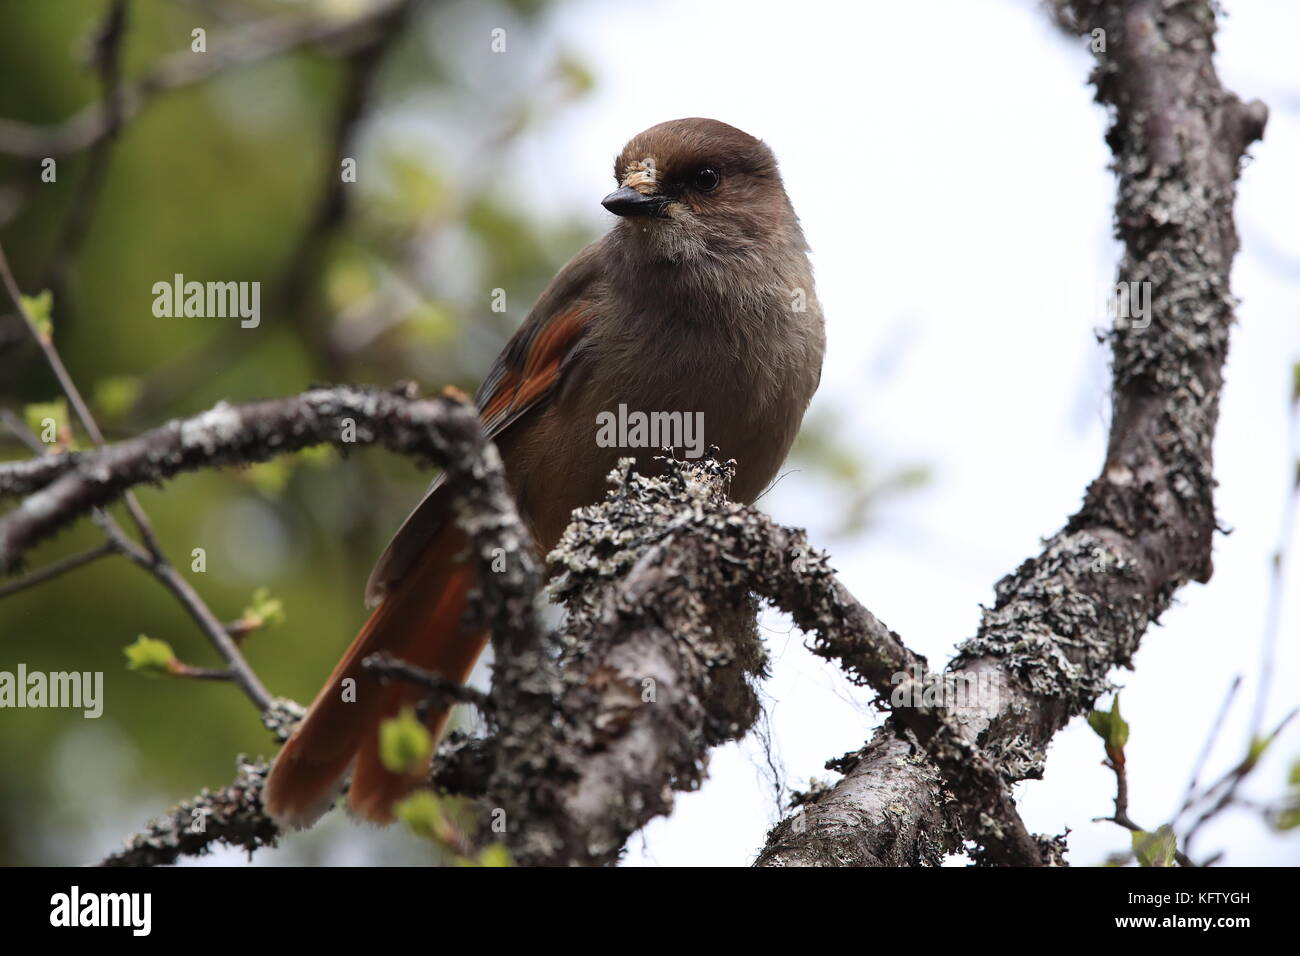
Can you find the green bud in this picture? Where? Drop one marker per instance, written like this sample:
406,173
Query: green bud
40,307
1156,849
405,744
151,657
421,812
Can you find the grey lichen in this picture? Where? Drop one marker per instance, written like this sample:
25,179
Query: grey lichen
1063,619
650,673
231,816
1056,623
282,717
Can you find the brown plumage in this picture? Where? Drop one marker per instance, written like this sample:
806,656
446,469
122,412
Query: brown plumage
700,299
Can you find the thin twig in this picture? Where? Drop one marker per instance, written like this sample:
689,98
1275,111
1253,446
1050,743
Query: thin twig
51,571
19,430
1117,764
107,58
1230,782
70,389
1277,581
442,691
155,561
246,45
1208,747
189,672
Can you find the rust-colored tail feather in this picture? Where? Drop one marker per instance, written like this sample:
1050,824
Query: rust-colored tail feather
420,621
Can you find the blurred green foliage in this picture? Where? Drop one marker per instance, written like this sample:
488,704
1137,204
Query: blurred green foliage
224,180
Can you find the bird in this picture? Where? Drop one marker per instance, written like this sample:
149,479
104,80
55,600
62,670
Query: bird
699,300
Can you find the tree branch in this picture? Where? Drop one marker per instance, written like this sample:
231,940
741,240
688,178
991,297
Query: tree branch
658,657
442,692
58,568
636,570
232,815
1065,617
68,485
154,560
241,46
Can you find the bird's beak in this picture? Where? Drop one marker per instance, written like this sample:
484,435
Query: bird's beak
629,202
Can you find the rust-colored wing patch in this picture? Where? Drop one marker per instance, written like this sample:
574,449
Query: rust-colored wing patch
528,369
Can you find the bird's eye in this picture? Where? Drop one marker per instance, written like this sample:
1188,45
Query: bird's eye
707,179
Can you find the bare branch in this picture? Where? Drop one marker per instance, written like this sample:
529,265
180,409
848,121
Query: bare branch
70,389
241,46
58,568
155,561
70,484
362,69
442,692
107,60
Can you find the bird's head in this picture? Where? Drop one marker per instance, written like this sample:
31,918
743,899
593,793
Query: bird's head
692,188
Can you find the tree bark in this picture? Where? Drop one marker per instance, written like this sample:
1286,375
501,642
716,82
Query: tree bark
1065,617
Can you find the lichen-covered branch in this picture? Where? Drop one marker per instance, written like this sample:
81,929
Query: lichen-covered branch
594,727
59,488
443,430
658,656
232,816
1064,618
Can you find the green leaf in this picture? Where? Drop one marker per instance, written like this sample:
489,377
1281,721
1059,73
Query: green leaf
1289,817
40,307
265,609
405,744
1257,748
421,812
49,421
151,657
1295,382
1118,727
1156,849
1110,727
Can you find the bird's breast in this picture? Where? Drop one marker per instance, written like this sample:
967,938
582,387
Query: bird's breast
643,387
